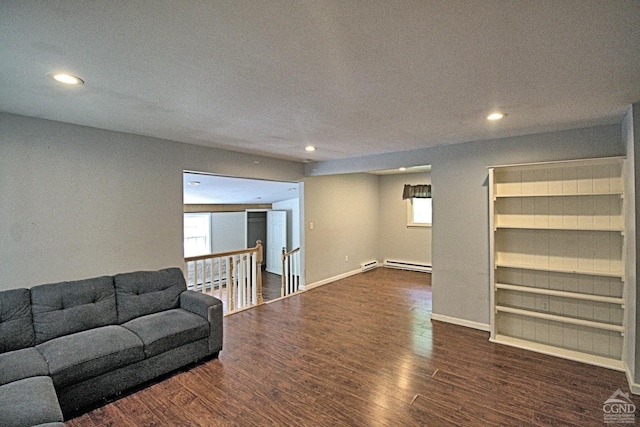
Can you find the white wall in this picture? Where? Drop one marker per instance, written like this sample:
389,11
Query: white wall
395,239
80,202
344,212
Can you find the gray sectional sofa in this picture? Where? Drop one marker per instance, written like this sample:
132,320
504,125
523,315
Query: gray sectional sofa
67,345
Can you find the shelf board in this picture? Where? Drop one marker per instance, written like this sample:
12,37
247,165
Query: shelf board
619,274
612,193
561,163
561,319
563,294
526,227
602,361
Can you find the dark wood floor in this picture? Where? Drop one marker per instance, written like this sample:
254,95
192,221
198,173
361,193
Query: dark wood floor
271,289
271,286
363,352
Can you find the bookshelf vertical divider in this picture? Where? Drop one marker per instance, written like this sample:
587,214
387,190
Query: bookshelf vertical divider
557,248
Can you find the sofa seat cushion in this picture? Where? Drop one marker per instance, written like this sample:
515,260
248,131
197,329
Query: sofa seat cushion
77,357
168,329
29,402
21,364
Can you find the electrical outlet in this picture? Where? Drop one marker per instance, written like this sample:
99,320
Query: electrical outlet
545,305
346,258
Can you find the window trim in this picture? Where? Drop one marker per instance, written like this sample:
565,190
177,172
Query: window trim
207,219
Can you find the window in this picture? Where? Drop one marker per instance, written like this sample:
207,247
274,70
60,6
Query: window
419,212
197,234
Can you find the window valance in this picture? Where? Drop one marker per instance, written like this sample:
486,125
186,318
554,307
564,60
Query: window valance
416,191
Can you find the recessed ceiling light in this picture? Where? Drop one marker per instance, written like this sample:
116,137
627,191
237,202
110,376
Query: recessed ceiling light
66,79
496,116
402,169
193,183
310,148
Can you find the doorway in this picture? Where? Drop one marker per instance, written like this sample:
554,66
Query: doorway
270,212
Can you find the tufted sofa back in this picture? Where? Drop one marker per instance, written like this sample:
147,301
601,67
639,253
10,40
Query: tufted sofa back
146,292
68,307
16,325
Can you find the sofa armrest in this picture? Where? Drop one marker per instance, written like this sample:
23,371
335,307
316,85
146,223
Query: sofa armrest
211,309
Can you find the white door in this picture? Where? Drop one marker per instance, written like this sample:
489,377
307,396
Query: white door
276,240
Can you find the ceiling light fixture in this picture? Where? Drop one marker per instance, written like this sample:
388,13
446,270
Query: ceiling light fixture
67,79
402,169
310,148
496,116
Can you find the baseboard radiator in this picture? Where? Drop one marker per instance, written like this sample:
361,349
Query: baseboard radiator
407,265
369,265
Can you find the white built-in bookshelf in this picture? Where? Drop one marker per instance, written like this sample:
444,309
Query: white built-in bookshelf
557,249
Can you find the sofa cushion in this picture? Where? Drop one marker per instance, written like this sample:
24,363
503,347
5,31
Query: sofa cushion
77,357
20,364
29,402
65,308
146,292
16,326
168,329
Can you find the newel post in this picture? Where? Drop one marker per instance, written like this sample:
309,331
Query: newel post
259,270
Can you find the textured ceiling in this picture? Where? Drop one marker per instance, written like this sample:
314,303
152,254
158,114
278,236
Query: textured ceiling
350,77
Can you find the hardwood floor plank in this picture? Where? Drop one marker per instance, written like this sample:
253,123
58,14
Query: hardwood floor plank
364,351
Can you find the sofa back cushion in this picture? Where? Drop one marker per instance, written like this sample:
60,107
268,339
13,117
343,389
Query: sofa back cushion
146,292
16,325
68,307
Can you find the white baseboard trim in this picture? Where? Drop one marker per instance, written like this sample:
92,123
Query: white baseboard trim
329,280
461,322
634,387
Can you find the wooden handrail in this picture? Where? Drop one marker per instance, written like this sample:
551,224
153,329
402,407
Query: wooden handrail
257,248
286,254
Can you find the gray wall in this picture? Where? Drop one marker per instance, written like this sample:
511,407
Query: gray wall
344,211
395,239
631,131
630,226
79,202
460,239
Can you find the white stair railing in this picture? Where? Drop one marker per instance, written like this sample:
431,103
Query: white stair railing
232,276
290,272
